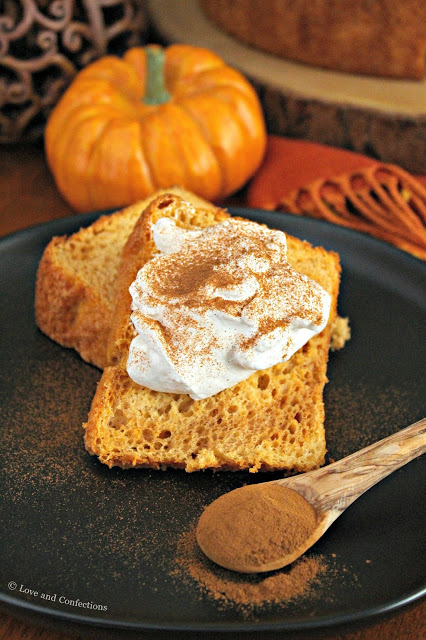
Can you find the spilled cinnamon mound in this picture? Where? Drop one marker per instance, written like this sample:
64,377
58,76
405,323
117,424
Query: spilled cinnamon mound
246,591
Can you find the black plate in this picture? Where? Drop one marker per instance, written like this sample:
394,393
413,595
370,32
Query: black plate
74,528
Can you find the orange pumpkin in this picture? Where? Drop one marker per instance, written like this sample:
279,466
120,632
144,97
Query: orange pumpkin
152,119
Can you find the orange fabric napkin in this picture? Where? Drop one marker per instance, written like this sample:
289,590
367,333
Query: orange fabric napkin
343,187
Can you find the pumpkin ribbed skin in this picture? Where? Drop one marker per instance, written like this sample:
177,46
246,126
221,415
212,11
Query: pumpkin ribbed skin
107,148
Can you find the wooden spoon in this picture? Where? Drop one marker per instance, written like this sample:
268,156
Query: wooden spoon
329,490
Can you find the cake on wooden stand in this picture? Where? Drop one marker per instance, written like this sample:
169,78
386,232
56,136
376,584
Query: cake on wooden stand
380,116
383,38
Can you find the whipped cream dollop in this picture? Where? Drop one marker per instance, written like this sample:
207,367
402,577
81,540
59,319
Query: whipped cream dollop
215,305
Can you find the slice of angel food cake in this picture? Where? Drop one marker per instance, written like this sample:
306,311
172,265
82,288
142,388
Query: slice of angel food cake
218,348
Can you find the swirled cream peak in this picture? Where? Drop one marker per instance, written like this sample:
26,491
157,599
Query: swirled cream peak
215,305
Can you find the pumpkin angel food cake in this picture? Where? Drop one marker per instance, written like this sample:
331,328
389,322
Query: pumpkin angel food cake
218,346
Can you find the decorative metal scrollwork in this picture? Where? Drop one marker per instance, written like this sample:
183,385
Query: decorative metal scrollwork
43,44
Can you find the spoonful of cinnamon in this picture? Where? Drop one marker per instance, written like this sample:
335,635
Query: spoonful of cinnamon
263,527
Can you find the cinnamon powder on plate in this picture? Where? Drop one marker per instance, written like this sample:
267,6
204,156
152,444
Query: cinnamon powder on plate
246,590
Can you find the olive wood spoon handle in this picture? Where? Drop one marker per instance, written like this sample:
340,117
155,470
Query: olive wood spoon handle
331,489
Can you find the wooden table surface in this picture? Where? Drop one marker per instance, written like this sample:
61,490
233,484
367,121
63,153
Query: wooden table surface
28,196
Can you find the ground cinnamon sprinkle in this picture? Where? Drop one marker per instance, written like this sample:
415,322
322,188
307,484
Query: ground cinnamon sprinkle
249,591
238,268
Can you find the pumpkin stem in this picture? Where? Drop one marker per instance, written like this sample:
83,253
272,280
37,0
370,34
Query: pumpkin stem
156,92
